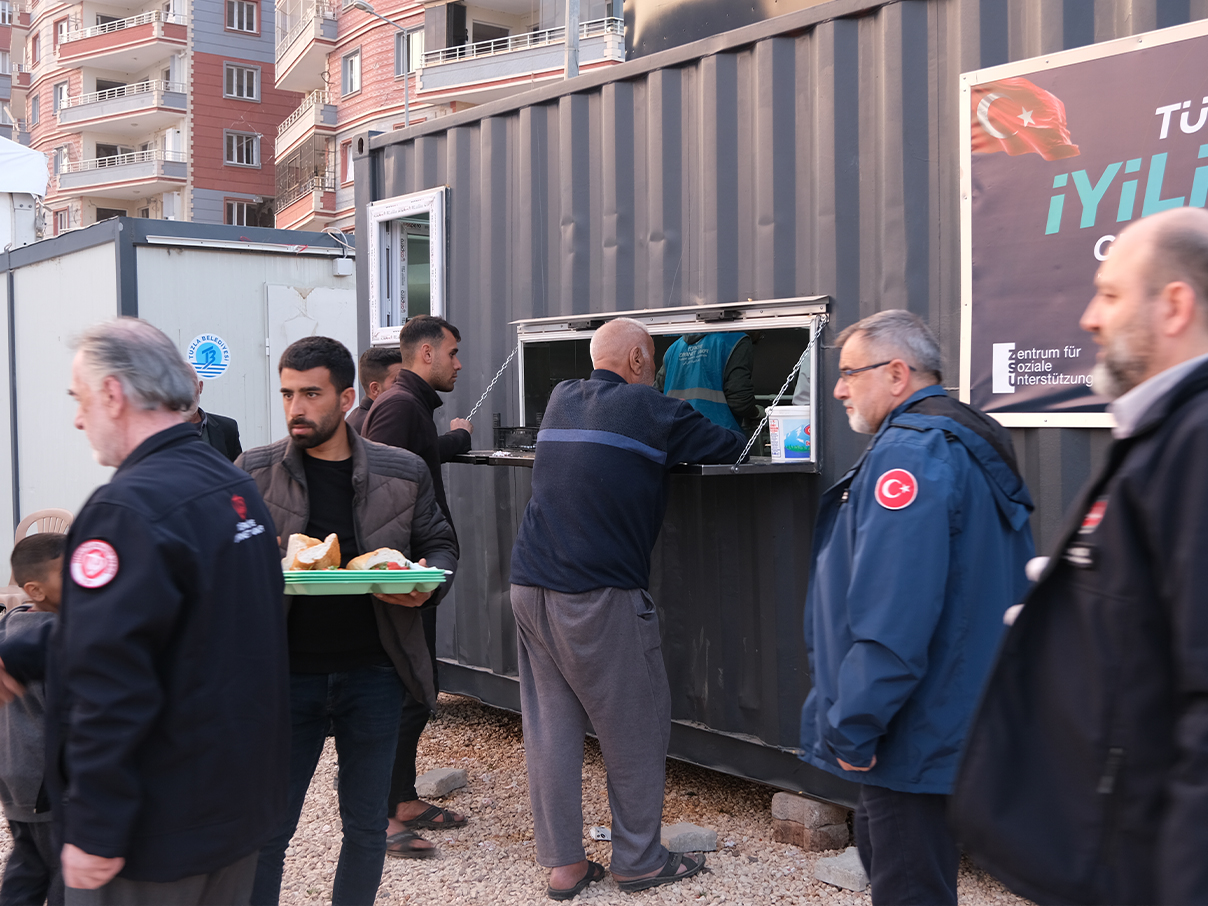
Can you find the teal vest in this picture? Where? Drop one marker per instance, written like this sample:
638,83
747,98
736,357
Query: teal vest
696,372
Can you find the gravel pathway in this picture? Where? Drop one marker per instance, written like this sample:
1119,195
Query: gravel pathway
491,861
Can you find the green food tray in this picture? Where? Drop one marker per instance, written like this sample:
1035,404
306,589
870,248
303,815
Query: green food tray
362,581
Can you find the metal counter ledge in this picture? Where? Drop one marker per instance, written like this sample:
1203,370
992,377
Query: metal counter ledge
756,465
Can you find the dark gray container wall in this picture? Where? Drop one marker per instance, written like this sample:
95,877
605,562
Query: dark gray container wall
813,153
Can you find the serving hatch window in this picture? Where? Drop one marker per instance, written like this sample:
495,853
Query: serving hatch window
779,331
406,261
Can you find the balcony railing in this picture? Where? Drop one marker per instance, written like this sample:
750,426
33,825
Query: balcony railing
117,160
154,15
313,99
321,9
592,29
124,91
323,182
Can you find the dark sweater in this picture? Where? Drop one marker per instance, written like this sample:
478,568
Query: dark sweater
402,417
600,482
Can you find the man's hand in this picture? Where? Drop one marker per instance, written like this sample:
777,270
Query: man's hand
847,767
86,872
462,423
415,598
9,687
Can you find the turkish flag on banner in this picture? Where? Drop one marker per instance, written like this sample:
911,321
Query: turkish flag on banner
1015,116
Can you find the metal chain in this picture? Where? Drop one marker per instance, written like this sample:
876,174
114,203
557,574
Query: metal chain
822,319
494,381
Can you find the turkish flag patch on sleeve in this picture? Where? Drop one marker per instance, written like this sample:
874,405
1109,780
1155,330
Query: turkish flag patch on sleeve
94,563
896,489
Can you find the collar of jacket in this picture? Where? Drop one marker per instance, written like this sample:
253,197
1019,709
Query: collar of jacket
933,390
365,403
293,463
412,383
169,437
603,374
1191,386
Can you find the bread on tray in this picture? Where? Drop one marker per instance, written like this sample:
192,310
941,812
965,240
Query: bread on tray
382,558
304,552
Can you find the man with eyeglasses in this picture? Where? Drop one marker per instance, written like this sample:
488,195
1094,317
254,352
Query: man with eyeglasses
918,552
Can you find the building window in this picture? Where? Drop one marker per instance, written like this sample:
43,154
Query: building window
241,82
60,95
242,149
351,81
408,51
241,16
61,156
144,213
35,48
62,221
346,158
6,13
34,105
242,212
60,31
4,66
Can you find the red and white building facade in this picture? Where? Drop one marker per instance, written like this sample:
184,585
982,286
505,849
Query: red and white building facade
150,108
358,73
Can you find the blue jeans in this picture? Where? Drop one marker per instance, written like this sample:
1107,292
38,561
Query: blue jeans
363,708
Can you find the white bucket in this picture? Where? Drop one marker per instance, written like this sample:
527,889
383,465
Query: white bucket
789,427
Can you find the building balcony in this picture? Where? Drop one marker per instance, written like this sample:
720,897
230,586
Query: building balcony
489,70
17,18
316,114
126,45
303,42
310,205
144,106
21,77
134,175
15,132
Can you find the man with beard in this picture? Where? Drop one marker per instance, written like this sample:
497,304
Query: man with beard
351,656
402,416
1086,774
918,550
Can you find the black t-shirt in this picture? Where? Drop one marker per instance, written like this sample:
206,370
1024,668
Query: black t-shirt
333,633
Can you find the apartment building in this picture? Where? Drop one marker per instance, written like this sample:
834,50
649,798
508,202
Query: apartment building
432,57
150,108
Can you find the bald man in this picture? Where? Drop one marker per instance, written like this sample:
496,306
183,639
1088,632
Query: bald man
587,631
1086,773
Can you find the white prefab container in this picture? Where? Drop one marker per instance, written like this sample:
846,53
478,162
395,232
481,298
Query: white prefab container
789,427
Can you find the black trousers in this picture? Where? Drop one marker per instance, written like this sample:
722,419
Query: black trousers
907,847
32,874
415,718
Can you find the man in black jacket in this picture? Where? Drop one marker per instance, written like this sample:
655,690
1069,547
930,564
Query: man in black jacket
167,718
377,368
219,431
402,416
1085,778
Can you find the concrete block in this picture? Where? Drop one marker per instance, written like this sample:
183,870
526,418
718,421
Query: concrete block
439,782
810,812
844,870
688,838
811,839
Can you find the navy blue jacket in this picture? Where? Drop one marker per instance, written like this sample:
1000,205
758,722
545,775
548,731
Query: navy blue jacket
600,478
167,720
905,605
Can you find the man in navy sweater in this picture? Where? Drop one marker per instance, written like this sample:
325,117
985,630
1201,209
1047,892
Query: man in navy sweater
587,630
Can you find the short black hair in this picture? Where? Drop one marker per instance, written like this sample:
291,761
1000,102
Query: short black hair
423,329
33,555
320,352
375,362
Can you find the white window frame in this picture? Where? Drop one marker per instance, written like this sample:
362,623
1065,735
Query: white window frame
235,78
231,144
408,52
6,12
35,109
63,225
350,71
240,206
387,269
60,156
59,93
243,9
4,58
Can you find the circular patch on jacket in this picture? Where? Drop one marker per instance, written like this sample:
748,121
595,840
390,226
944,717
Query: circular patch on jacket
896,489
94,564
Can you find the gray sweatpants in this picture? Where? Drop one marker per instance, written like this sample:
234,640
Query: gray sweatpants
230,886
593,660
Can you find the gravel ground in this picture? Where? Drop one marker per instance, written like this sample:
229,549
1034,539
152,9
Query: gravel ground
491,860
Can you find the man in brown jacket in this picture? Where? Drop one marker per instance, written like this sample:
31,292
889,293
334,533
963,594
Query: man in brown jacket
351,656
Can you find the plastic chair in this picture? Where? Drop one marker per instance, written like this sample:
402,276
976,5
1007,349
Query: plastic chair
51,519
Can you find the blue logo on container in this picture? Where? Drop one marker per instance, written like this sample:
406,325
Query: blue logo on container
209,355
797,444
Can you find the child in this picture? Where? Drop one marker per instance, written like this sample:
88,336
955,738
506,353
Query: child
32,873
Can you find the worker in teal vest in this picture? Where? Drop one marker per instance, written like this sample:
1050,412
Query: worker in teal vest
712,371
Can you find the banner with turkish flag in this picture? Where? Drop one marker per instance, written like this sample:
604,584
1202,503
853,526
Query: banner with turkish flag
1060,154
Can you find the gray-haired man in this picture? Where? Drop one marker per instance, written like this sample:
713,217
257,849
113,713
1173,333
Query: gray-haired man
918,551
167,719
